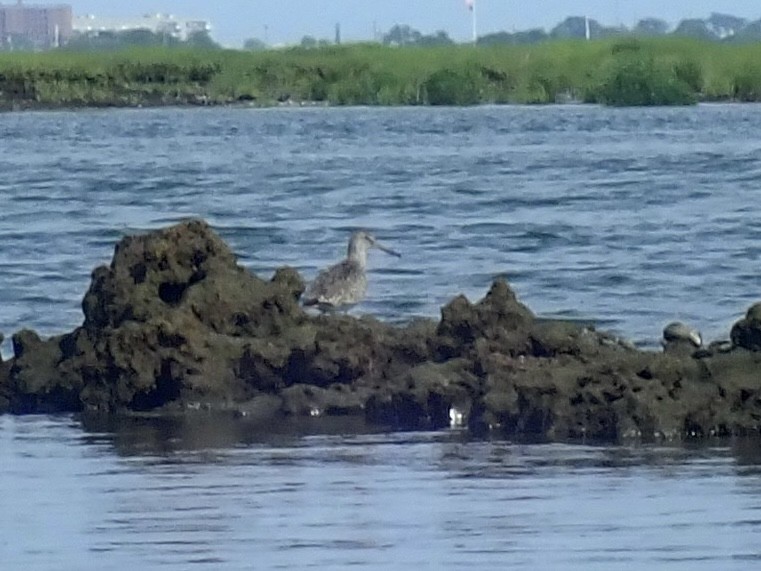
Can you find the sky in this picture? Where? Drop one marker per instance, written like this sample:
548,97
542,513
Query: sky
287,21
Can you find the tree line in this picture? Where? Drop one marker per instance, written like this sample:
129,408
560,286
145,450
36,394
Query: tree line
717,27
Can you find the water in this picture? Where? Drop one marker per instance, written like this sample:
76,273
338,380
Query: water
631,218
210,495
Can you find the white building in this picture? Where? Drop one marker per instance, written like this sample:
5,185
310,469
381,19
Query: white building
179,28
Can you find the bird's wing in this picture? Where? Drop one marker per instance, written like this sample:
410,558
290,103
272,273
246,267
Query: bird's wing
330,282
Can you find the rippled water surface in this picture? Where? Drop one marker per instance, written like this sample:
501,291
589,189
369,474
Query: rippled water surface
216,495
631,218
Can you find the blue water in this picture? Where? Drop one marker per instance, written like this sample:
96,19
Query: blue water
631,218
213,496
627,217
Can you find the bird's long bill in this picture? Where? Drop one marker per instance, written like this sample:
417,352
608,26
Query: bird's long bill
387,250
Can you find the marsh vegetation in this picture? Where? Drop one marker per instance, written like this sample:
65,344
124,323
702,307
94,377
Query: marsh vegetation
621,71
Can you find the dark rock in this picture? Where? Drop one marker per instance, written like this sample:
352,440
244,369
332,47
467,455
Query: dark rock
746,333
150,275
344,350
34,382
290,280
174,325
173,318
626,394
423,397
310,400
499,318
735,386
5,389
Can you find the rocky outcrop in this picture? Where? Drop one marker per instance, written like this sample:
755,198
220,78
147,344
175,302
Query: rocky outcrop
746,333
175,324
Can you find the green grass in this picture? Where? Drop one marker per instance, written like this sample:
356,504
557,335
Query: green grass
663,71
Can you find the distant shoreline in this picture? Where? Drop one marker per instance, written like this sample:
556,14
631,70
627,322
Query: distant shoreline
620,72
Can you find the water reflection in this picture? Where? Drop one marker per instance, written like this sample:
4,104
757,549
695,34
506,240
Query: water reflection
167,435
147,435
226,493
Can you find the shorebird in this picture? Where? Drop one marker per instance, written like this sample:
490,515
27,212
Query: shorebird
677,335
345,283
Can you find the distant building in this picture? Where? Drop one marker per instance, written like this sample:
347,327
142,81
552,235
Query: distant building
169,24
34,26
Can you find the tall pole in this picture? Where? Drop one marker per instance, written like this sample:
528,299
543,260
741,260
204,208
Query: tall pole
471,4
475,29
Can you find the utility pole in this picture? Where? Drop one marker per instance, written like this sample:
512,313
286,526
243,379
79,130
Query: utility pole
471,4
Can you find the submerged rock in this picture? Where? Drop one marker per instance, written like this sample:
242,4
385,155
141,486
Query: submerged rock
174,323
